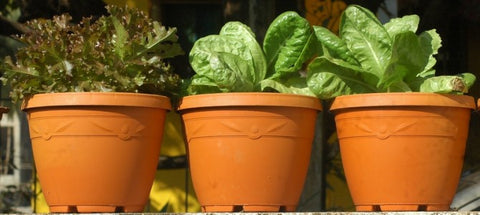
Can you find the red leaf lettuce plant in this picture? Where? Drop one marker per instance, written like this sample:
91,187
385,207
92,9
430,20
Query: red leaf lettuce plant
125,51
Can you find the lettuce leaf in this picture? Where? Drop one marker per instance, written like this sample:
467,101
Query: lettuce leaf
329,77
289,42
407,60
242,32
293,86
458,84
403,24
226,61
368,41
334,46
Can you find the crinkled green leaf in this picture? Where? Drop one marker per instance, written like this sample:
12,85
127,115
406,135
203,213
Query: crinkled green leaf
448,83
224,60
119,38
335,47
161,42
200,84
468,78
430,42
328,78
242,32
367,39
403,24
293,86
399,86
408,59
289,42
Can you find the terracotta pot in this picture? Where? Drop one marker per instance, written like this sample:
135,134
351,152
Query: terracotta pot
402,151
249,151
96,152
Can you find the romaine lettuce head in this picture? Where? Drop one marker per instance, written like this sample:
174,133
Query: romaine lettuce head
371,57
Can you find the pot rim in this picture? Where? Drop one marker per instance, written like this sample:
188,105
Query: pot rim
249,99
402,99
96,99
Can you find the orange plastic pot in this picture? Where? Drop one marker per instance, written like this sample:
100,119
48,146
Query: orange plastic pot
402,151
249,151
96,152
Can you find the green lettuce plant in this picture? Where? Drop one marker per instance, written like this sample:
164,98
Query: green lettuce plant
233,61
368,57
123,52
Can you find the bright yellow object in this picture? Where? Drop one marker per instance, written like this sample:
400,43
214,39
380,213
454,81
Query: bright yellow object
169,188
168,193
173,143
325,13
38,203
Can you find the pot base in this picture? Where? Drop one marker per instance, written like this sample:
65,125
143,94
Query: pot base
94,208
402,207
248,208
